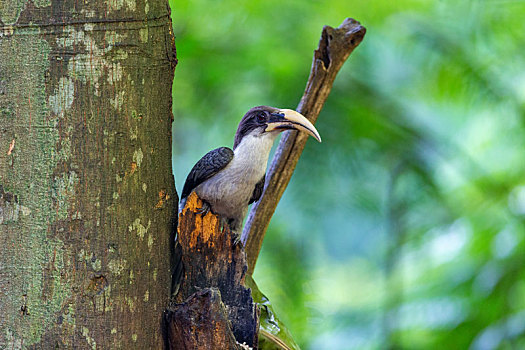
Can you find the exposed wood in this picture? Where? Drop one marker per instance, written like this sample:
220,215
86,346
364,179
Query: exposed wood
86,186
201,323
212,257
335,45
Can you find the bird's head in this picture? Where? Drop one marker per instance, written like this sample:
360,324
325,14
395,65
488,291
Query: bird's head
265,120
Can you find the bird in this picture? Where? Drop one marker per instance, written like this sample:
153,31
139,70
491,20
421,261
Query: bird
229,180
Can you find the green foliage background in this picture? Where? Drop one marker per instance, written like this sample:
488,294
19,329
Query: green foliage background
404,228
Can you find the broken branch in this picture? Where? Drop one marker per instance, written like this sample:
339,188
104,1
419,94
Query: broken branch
335,45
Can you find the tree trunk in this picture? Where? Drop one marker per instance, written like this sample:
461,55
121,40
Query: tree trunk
86,188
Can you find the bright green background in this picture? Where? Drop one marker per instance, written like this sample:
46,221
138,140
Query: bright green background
404,228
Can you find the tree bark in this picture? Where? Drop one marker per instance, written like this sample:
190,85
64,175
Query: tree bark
86,187
201,323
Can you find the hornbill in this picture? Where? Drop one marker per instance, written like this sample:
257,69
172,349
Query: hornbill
230,180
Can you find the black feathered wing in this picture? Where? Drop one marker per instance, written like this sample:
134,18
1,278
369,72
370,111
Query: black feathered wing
210,164
258,190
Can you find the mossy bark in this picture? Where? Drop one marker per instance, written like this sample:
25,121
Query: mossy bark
86,189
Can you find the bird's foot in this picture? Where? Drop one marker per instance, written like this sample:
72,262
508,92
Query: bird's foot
206,207
236,239
235,230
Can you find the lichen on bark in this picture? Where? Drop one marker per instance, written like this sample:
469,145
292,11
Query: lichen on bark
24,240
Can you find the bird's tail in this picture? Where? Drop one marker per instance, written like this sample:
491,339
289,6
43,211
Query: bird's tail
182,204
178,269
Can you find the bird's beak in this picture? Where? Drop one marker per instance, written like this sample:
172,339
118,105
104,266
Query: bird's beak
290,119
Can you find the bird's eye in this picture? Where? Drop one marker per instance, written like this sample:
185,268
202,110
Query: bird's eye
261,118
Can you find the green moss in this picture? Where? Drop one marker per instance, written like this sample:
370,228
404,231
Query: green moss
63,189
10,10
63,97
26,176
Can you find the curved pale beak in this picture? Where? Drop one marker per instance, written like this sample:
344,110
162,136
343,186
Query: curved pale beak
287,119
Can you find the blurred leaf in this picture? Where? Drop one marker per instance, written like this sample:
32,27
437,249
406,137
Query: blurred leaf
273,333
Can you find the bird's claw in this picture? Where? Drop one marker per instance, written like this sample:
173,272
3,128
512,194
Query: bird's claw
204,209
236,239
234,229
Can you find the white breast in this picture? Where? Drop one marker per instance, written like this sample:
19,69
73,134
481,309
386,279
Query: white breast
230,190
